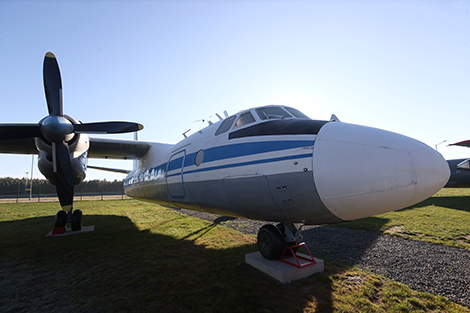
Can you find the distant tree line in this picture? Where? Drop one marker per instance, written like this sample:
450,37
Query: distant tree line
21,186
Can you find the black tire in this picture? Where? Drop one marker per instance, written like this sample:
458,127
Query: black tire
60,219
77,220
270,242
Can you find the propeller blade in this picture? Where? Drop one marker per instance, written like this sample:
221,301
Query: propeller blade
64,174
53,85
107,127
19,131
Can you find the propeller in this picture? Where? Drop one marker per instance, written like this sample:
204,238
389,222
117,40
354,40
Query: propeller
53,85
58,130
63,171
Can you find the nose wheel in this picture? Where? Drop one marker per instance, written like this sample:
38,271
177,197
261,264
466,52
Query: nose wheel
273,240
270,242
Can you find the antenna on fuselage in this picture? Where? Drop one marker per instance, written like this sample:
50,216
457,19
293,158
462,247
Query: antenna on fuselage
220,117
334,118
225,114
204,120
184,134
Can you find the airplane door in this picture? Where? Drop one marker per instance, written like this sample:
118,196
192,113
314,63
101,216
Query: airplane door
174,175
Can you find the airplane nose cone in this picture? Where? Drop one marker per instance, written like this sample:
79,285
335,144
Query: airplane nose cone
362,171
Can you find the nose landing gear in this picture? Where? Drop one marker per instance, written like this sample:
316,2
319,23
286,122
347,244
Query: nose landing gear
270,242
280,242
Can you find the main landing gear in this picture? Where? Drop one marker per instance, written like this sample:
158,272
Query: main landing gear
62,218
273,240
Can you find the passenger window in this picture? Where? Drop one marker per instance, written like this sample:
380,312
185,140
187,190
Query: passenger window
225,126
245,118
268,113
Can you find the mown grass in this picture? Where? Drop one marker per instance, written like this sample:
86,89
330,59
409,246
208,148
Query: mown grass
443,219
146,258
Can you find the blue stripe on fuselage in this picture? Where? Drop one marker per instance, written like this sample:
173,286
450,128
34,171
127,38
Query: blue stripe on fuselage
245,149
260,161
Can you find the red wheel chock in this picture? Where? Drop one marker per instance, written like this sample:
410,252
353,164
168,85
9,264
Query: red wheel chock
293,250
58,230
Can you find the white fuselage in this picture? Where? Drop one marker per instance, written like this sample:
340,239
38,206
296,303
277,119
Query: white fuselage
267,164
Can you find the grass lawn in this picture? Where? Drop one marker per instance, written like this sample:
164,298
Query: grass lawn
443,219
146,258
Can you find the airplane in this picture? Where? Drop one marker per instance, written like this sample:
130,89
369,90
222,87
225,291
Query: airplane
459,175
270,163
459,168
464,164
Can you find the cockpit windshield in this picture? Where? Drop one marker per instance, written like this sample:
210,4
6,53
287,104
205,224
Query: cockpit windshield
225,126
268,113
264,113
296,113
244,119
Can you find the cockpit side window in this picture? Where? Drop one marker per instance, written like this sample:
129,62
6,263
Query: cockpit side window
268,113
245,118
296,113
225,126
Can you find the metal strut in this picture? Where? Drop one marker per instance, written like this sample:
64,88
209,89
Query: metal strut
292,234
293,254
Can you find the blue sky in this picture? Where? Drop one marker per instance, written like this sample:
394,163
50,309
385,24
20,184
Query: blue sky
403,66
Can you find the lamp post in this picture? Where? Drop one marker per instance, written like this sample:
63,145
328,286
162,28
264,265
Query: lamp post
31,181
439,144
26,183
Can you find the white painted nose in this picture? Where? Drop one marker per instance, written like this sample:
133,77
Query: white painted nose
361,171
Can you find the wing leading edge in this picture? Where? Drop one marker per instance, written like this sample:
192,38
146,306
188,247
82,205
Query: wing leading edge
100,148
464,165
106,148
465,143
18,146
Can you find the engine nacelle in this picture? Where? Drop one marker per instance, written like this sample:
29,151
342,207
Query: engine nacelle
78,148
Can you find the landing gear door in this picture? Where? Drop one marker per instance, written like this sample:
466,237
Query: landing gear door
249,196
174,175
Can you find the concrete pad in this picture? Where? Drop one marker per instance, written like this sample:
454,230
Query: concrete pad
68,231
283,272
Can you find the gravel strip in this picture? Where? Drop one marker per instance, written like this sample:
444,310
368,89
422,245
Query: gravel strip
422,266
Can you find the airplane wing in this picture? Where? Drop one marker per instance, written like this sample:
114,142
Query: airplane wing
465,143
100,148
106,148
18,146
107,169
464,165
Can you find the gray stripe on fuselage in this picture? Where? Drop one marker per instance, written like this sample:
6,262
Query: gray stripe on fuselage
288,197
